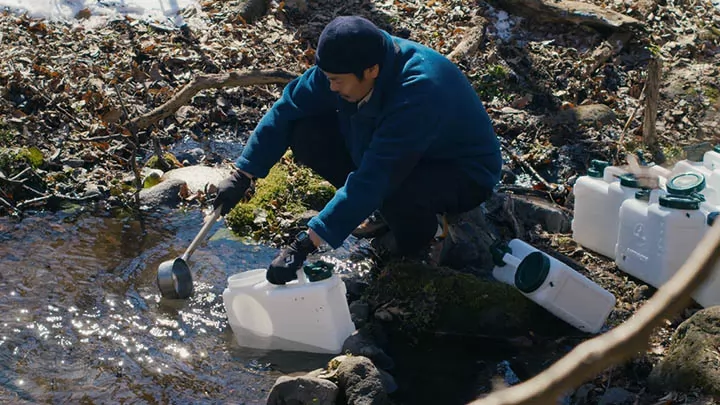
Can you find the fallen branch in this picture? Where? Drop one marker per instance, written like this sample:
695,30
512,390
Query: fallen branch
606,50
213,81
620,344
575,12
471,40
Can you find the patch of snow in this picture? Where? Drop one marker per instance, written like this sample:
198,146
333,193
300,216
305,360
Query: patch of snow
68,10
503,24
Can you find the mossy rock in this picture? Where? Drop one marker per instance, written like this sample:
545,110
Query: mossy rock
15,159
432,299
286,192
692,359
154,162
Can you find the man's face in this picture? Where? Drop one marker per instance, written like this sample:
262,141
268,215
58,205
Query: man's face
349,87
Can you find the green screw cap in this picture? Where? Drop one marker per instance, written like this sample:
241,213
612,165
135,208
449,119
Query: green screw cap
629,180
320,270
686,183
679,202
532,272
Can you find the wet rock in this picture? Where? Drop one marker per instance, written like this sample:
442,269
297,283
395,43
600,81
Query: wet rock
191,157
165,193
617,396
691,361
355,285
472,234
360,343
361,382
359,311
530,211
302,391
198,178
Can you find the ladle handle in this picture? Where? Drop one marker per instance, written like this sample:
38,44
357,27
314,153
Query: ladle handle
209,221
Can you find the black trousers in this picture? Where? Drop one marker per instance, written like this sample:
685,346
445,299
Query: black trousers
410,210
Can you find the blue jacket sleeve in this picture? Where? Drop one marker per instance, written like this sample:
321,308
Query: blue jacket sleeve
307,95
397,145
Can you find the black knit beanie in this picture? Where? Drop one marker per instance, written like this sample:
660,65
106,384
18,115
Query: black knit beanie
350,44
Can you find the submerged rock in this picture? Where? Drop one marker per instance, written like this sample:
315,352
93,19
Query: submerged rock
166,193
302,391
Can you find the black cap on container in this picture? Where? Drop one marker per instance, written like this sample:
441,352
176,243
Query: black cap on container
679,202
629,180
532,272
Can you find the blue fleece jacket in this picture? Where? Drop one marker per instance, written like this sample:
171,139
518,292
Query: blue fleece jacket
422,109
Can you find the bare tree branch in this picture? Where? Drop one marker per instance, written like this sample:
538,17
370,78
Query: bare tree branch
213,81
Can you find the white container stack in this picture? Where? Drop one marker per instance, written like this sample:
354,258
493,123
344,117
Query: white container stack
652,232
561,290
302,315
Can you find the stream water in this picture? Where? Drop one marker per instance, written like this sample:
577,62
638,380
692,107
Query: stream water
82,321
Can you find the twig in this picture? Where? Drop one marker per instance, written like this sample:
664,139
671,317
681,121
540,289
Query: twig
102,138
22,173
212,81
620,344
34,200
471,40
2,200
10,181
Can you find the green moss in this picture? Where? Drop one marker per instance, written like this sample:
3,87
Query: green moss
154,162
672,152
492,82
712,93
241,219
12,159
287,191
431,298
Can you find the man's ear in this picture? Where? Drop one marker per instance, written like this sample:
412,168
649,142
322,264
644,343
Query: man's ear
372,72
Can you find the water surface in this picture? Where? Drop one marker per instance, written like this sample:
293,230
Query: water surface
82,321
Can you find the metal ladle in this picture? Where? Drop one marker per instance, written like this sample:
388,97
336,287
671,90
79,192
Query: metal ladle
174,278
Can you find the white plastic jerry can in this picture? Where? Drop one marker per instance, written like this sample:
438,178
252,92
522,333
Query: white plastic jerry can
637,237
309,314
595,220
561,290
591,205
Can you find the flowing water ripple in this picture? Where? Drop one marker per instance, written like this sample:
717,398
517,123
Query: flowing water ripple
81,320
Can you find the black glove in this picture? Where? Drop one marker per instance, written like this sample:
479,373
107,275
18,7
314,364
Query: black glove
231,191
286,264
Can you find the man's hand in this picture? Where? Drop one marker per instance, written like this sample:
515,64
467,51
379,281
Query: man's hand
286,264
232,190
